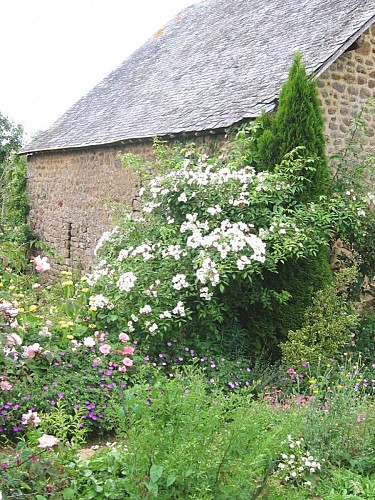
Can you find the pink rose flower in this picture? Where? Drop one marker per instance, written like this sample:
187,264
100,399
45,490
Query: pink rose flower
127,362
124,337
89,341
14,339
46,441
41,263
5,385
128,350
30,417
122,369
30,350
105,349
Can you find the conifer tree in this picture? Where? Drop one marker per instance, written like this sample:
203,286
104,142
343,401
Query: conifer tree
297,122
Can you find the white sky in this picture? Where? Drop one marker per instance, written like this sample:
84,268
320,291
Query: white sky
54,51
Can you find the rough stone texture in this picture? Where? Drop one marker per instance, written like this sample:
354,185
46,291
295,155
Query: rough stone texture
344,89
68,192
74,196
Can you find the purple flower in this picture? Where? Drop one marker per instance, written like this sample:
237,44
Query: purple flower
60,395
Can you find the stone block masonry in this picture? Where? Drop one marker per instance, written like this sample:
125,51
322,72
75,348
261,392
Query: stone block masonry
344,89
70,194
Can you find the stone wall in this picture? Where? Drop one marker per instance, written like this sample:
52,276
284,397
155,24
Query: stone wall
68,195
73,197
344,88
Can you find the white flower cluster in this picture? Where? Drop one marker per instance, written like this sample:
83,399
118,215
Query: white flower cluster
282,227
179,310
299,463
152,290
145,249
200,175
106,236
179,282
228,237
351,193
174,251
150,207
216,209
126,282
205,293
101,270
145,309
98,301
208,272
165,315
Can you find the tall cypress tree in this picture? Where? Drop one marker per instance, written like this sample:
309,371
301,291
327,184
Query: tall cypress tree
298,122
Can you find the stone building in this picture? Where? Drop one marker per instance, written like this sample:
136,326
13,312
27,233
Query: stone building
216,64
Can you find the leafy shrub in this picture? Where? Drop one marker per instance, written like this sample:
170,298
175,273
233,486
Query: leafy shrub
328,326
195,262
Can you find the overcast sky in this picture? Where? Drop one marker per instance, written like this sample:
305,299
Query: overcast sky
53,52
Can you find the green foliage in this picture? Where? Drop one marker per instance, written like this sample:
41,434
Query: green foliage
181,443
297,122
340,418
328,325
65,424
10,138
354,175
13,196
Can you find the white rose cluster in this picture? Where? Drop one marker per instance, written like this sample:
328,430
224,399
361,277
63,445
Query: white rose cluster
179,282
98,301
126,282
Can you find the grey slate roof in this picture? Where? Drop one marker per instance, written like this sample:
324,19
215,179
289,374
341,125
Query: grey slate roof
216,63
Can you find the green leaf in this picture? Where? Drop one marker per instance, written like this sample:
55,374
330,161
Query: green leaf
68,494
171,479
155,472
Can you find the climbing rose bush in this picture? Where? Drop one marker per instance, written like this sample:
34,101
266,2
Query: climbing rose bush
206,225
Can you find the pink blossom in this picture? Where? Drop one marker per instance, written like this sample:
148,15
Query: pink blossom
41,263
127,350
14,339
30,417
361,416
127,362
48,323
124,337
122,369
46,441
12,312
31,350
89,341
105,349
5,385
